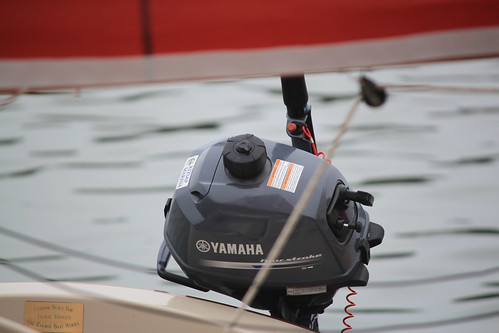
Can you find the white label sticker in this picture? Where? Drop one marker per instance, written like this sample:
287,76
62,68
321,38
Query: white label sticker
298,291
285,175
185,174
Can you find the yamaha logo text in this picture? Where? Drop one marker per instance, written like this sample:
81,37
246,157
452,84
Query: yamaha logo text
229,248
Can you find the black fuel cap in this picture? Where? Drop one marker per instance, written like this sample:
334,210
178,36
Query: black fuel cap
244,155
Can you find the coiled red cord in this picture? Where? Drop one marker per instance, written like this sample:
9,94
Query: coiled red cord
349,314
308,134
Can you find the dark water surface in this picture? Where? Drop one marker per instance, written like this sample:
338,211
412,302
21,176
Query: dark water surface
83,182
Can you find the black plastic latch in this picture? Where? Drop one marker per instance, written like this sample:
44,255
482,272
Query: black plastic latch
375,234
167,206
361,197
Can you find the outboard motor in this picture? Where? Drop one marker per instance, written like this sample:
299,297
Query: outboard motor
231,201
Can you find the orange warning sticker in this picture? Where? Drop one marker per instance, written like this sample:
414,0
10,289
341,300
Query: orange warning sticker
285,175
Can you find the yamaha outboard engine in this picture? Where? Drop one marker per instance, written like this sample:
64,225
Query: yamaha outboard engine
230,204
232,200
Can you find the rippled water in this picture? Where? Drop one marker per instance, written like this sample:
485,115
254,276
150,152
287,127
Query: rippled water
90,174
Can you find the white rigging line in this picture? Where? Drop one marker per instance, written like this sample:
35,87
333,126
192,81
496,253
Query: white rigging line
10,99
293,219
443,88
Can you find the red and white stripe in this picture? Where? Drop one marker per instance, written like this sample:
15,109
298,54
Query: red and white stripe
80,43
